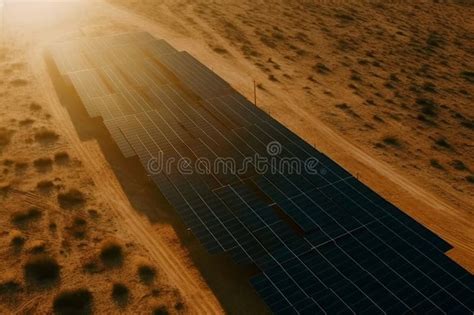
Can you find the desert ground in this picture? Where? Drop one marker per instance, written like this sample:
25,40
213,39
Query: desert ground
386,90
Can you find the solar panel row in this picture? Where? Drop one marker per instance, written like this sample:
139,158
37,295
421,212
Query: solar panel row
331,226
324,241
195,75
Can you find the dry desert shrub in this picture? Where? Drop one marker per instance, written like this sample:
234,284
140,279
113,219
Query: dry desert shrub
470,179
18,82
392,141
160,310
17,239
459,165
37,247
5,137
92,265
26,122
71,199
442,142
45,186
93,213
34,106
5,189
221,50
43,164
428,107
8,162
61,158
468,76
321,68
146,272
436,164
120,294
46,136
73,302
9,284
25,217
111,253
41,270
78,227
179,306
21,167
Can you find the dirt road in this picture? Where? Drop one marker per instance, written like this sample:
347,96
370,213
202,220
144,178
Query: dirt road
172,260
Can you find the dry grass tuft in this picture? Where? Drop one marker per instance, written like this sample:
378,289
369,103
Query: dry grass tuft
26,122
5,137
61,158
442,142
321,68
45,186
392,141
43,164
111,253
120,294
78,227
37,247
8,162
46,136
146,272
5,189
41,270
18,82
468,76
160,310
17,239
9,284
179,306
220,50
428,107
470,179
73,302
34,106
459,165
21,167
92,265
71,199
436,164
25,217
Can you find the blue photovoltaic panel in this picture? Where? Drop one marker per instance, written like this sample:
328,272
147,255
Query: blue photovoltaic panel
197,77
325,243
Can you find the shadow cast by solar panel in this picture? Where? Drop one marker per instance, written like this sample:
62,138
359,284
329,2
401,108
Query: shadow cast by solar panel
147,199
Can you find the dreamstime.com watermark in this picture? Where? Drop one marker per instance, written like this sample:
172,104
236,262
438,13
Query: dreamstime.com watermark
271,163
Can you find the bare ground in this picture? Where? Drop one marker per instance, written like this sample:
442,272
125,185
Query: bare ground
79,204
384,89
341,77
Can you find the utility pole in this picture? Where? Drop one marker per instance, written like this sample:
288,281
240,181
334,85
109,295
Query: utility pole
254,92
2,4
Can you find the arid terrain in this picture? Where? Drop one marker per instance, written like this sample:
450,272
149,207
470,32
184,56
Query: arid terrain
384,89
70,236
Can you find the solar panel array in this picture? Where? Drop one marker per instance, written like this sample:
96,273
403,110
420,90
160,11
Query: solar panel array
324,242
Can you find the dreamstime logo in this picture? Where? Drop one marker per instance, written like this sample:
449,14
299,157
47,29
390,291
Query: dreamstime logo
272,162
274,148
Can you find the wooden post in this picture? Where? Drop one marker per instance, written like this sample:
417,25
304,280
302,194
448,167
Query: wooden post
2,7
254,92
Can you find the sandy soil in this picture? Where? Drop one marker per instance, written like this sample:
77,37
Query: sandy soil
325,72
384,89
68,223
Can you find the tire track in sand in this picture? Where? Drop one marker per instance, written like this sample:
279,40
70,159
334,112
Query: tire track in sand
180,274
